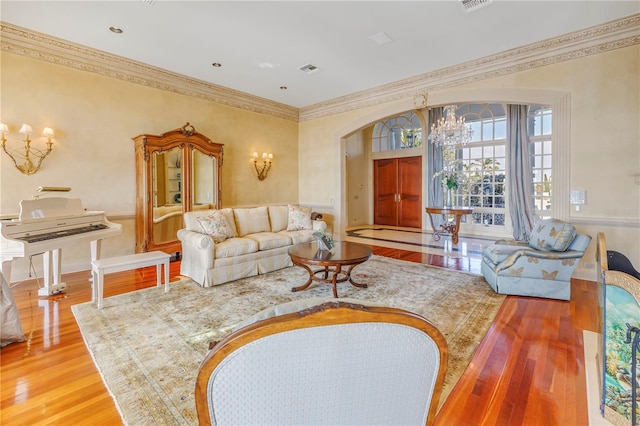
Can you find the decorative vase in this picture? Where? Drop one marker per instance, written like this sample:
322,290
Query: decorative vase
448,197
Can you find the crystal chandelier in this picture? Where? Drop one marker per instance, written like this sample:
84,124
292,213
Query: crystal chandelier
450,130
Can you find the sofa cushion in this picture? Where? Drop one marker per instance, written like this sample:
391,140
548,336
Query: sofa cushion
279,217
297,237
552,235
250,221
217,226
235,247
270,240
299,218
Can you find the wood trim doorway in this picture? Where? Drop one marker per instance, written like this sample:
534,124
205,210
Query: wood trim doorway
397,190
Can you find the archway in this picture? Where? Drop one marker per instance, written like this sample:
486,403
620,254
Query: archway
559,101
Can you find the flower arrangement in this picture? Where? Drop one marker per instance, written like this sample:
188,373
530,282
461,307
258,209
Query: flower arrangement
451,175
450,181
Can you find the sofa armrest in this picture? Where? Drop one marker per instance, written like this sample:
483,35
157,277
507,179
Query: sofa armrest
198,255
552,255
319,225
522,254
196,240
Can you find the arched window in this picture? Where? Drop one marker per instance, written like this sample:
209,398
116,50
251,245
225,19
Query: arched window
540,140
484,162
401,132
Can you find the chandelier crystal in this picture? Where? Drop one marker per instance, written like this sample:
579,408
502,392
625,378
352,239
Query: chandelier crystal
450,130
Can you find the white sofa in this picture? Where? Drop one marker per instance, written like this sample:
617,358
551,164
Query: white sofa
257,242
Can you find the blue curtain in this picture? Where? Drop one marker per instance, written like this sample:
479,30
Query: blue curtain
519,176
435,196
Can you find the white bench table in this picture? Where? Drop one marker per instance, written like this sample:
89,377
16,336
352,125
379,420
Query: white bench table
110,265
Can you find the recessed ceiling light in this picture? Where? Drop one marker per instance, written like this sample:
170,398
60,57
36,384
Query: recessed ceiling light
283,87
115,30
216,64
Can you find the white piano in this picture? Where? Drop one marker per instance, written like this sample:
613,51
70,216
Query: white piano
45,226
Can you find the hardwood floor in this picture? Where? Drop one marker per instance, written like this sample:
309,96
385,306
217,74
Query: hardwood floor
528,370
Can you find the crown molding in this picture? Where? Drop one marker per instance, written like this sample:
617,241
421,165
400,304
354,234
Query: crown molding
599,39
44,47
610,36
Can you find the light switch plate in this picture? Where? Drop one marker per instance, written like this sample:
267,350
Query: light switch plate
578,197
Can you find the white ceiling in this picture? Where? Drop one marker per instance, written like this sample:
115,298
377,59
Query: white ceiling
261,44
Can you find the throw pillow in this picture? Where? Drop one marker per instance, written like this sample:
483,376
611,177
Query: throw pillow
251,220
299,218
278,217
216,226
552,235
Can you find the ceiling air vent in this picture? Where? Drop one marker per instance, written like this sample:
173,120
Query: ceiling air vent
472,5
381,38
308,68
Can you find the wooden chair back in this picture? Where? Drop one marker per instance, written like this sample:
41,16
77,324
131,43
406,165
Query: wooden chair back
333,363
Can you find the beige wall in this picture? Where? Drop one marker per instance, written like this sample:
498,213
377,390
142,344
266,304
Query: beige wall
602,97
358,193
95,117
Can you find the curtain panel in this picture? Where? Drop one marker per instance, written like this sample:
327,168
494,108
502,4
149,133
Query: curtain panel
519,177
434,165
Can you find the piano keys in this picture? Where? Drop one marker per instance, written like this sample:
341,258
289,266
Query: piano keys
45,226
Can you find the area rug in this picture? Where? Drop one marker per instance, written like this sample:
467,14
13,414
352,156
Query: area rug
148,344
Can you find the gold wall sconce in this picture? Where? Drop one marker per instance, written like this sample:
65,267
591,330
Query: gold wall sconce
28,155
263,171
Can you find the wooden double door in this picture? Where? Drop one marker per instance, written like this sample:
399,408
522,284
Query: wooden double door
397,187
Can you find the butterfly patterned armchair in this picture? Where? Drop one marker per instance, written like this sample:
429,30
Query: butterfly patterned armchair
541,267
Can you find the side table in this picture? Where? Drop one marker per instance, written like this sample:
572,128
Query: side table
450,226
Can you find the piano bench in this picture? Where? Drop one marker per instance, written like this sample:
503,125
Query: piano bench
110,265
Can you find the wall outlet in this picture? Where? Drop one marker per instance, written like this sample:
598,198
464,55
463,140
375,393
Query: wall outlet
589,265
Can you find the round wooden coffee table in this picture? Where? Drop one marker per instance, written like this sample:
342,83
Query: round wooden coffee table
344,254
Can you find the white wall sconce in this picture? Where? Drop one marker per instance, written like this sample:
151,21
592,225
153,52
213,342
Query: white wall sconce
28,155
263,171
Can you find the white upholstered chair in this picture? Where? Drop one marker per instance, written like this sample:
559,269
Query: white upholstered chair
334,363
